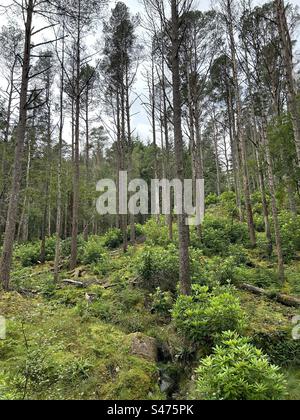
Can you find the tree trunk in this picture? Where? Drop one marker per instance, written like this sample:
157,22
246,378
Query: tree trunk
183,228
76,163
6,259
59,166
240,133
278,239
287,50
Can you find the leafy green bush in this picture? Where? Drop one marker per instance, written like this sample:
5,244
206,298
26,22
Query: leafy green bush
157,234
66,246
212,199
93,252
162,302
159,267
204,315
28,254
239,371
281,349
290,233
259,223
113,238
218,234
221,271
228,202
260,277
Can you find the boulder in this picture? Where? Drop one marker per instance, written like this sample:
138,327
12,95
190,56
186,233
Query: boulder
144,346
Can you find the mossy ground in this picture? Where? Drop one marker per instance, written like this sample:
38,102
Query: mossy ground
60,347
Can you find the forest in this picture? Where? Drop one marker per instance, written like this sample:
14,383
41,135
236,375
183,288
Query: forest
149,305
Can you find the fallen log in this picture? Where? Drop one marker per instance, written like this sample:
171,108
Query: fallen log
79,284
285,300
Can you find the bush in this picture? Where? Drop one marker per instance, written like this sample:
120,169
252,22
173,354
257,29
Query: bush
66,246
228,201
162,302
113,238
204,315
157,234
259,277
218,234
239,371
159,267
290,233
28,254
281,349
212,199
93,252
221,271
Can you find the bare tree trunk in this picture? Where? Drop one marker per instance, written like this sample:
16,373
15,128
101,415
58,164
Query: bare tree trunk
287,50
240,133
4,165
59,167
87,159
6,259
167,140
22,228
234,149
76,164
183,228
281,272
130,152
215,139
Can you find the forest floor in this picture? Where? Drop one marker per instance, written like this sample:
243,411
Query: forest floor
73,341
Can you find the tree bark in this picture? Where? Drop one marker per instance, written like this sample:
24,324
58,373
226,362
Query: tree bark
183,228
6,259
287,51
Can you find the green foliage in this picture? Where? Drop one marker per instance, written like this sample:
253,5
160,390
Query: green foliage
157,234
28,254
290,233
260,277
204,315
228,202
159,267
239,371
93,252
212,199
281,349
218,234
113,238
162,302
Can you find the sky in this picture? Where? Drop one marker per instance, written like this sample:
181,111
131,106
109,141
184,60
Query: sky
139,117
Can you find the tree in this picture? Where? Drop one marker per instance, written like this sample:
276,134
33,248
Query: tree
6,258
287,52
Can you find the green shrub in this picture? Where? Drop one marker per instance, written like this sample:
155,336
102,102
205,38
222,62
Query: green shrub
28,254
113,238
212,199
260,277
239,254
157,234
290,233
159,267
162,302
204,315
218,234
66,247
228,202
239,371
281,349
259,223
221,271
93,252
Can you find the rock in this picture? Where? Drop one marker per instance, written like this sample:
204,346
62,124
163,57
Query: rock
143,346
